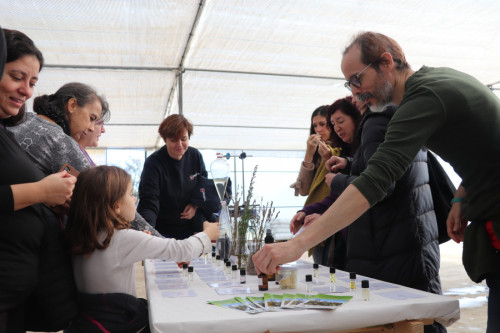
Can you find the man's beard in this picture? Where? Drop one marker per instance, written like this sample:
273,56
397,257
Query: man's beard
383,94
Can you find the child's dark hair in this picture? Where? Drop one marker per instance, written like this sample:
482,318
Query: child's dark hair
92,208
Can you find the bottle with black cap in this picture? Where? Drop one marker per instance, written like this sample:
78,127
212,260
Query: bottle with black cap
333,280
190,273
218,260
309,280
315,273
352,284
243,276
234,272
269,239
365,290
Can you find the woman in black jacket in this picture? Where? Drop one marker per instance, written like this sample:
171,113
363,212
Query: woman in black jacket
171,181
397,239
30,236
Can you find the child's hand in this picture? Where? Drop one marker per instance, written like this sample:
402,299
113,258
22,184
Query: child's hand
211,229
181,263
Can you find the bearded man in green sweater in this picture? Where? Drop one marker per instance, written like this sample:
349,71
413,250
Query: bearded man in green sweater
438,108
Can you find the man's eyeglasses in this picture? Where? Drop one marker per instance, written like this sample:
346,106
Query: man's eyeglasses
354,80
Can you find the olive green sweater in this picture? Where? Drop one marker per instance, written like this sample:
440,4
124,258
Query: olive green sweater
458,118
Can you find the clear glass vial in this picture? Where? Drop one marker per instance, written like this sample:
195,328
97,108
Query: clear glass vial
352,284
365,290
333,280
315,273
234,272
309,280
243,276
190,273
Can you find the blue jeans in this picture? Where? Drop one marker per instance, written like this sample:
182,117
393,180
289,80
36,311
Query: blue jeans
493,282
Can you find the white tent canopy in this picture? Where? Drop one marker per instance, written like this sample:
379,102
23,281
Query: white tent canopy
248,74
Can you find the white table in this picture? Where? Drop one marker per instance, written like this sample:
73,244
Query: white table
194,314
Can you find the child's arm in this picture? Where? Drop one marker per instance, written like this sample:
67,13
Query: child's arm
133,246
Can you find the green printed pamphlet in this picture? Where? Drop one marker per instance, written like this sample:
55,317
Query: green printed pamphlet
273,302
327,302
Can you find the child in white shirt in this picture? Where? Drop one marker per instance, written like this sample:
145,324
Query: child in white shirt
104,249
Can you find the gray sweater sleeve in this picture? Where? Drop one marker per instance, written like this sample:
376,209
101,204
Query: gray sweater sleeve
140,224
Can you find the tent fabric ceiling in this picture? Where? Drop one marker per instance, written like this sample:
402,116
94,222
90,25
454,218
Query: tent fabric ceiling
250,72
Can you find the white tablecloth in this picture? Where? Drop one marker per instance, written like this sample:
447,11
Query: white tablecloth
194,314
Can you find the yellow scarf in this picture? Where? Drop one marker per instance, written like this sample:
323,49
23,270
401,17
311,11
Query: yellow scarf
319,190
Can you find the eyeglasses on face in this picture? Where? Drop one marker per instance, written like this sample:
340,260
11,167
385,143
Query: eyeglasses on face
355,79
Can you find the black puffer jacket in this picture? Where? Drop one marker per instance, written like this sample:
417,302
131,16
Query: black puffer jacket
397,239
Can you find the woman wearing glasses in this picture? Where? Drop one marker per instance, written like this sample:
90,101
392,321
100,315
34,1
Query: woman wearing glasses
50,135
91,139
63,125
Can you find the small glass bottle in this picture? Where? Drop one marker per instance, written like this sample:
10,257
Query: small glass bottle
234,271
333,280
214,258
218,261
190,273
309,279
228,268
185,269
365,290
243,276
263,282
352,284
315,273
205,258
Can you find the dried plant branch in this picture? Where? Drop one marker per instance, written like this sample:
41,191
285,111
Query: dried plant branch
250,220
